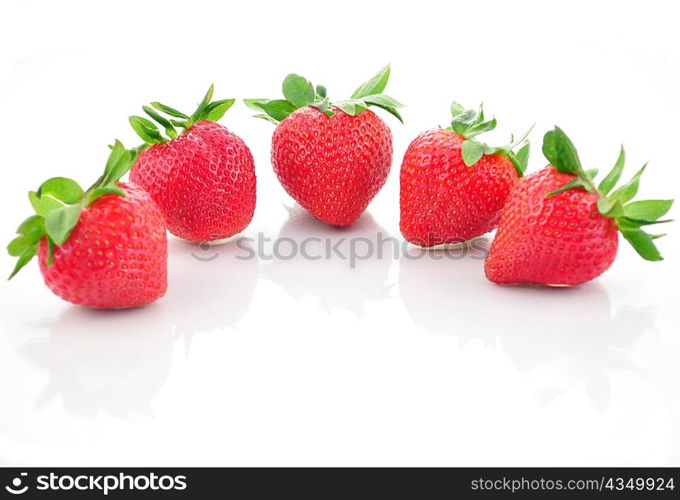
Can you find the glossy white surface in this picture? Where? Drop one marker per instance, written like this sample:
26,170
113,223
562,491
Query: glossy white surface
398,361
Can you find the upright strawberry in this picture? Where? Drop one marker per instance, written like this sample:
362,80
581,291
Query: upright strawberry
104,247
453,187
331,157
559,228
203,178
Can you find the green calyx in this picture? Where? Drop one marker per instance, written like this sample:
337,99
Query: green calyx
630,216
151,133
58,203
469,123
299,92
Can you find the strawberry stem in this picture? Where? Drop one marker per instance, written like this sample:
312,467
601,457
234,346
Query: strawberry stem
58,204
149,132
469,123
630,216
298,92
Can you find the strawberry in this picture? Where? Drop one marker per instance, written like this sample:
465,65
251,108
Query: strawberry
104,247
203,179
559,228
453,187
332,158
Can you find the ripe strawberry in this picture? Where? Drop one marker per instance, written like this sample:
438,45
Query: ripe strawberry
104,247
559,228
453,187
332,158
202,179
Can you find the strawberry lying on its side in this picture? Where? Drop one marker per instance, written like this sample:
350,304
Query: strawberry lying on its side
105,247
203,179
332,158
453,187
559,228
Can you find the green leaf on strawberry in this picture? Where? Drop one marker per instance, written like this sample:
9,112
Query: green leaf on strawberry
521,157
385,102
352,106
592,173
58,204
469,123
147,130
628,191
472,151
613,177
60,222
278,109
647,210
577,182
207,110
62,188
324,105
24,258
561,153
216,110
169,111
299,92
375,85
630,216
169,129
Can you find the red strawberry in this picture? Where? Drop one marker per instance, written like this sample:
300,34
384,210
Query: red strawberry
332,158
102,248
559,228
452,186
202,179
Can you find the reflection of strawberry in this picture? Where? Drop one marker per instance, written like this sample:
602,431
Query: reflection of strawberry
425,278
219,305
332,158
116,368
204,178
585,348
102,248
319,270
559,228
453,187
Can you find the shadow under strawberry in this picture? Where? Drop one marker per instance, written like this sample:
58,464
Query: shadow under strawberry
327,271
555,338
209,288
96,361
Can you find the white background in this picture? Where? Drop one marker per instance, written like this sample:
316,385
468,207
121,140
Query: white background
397,362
